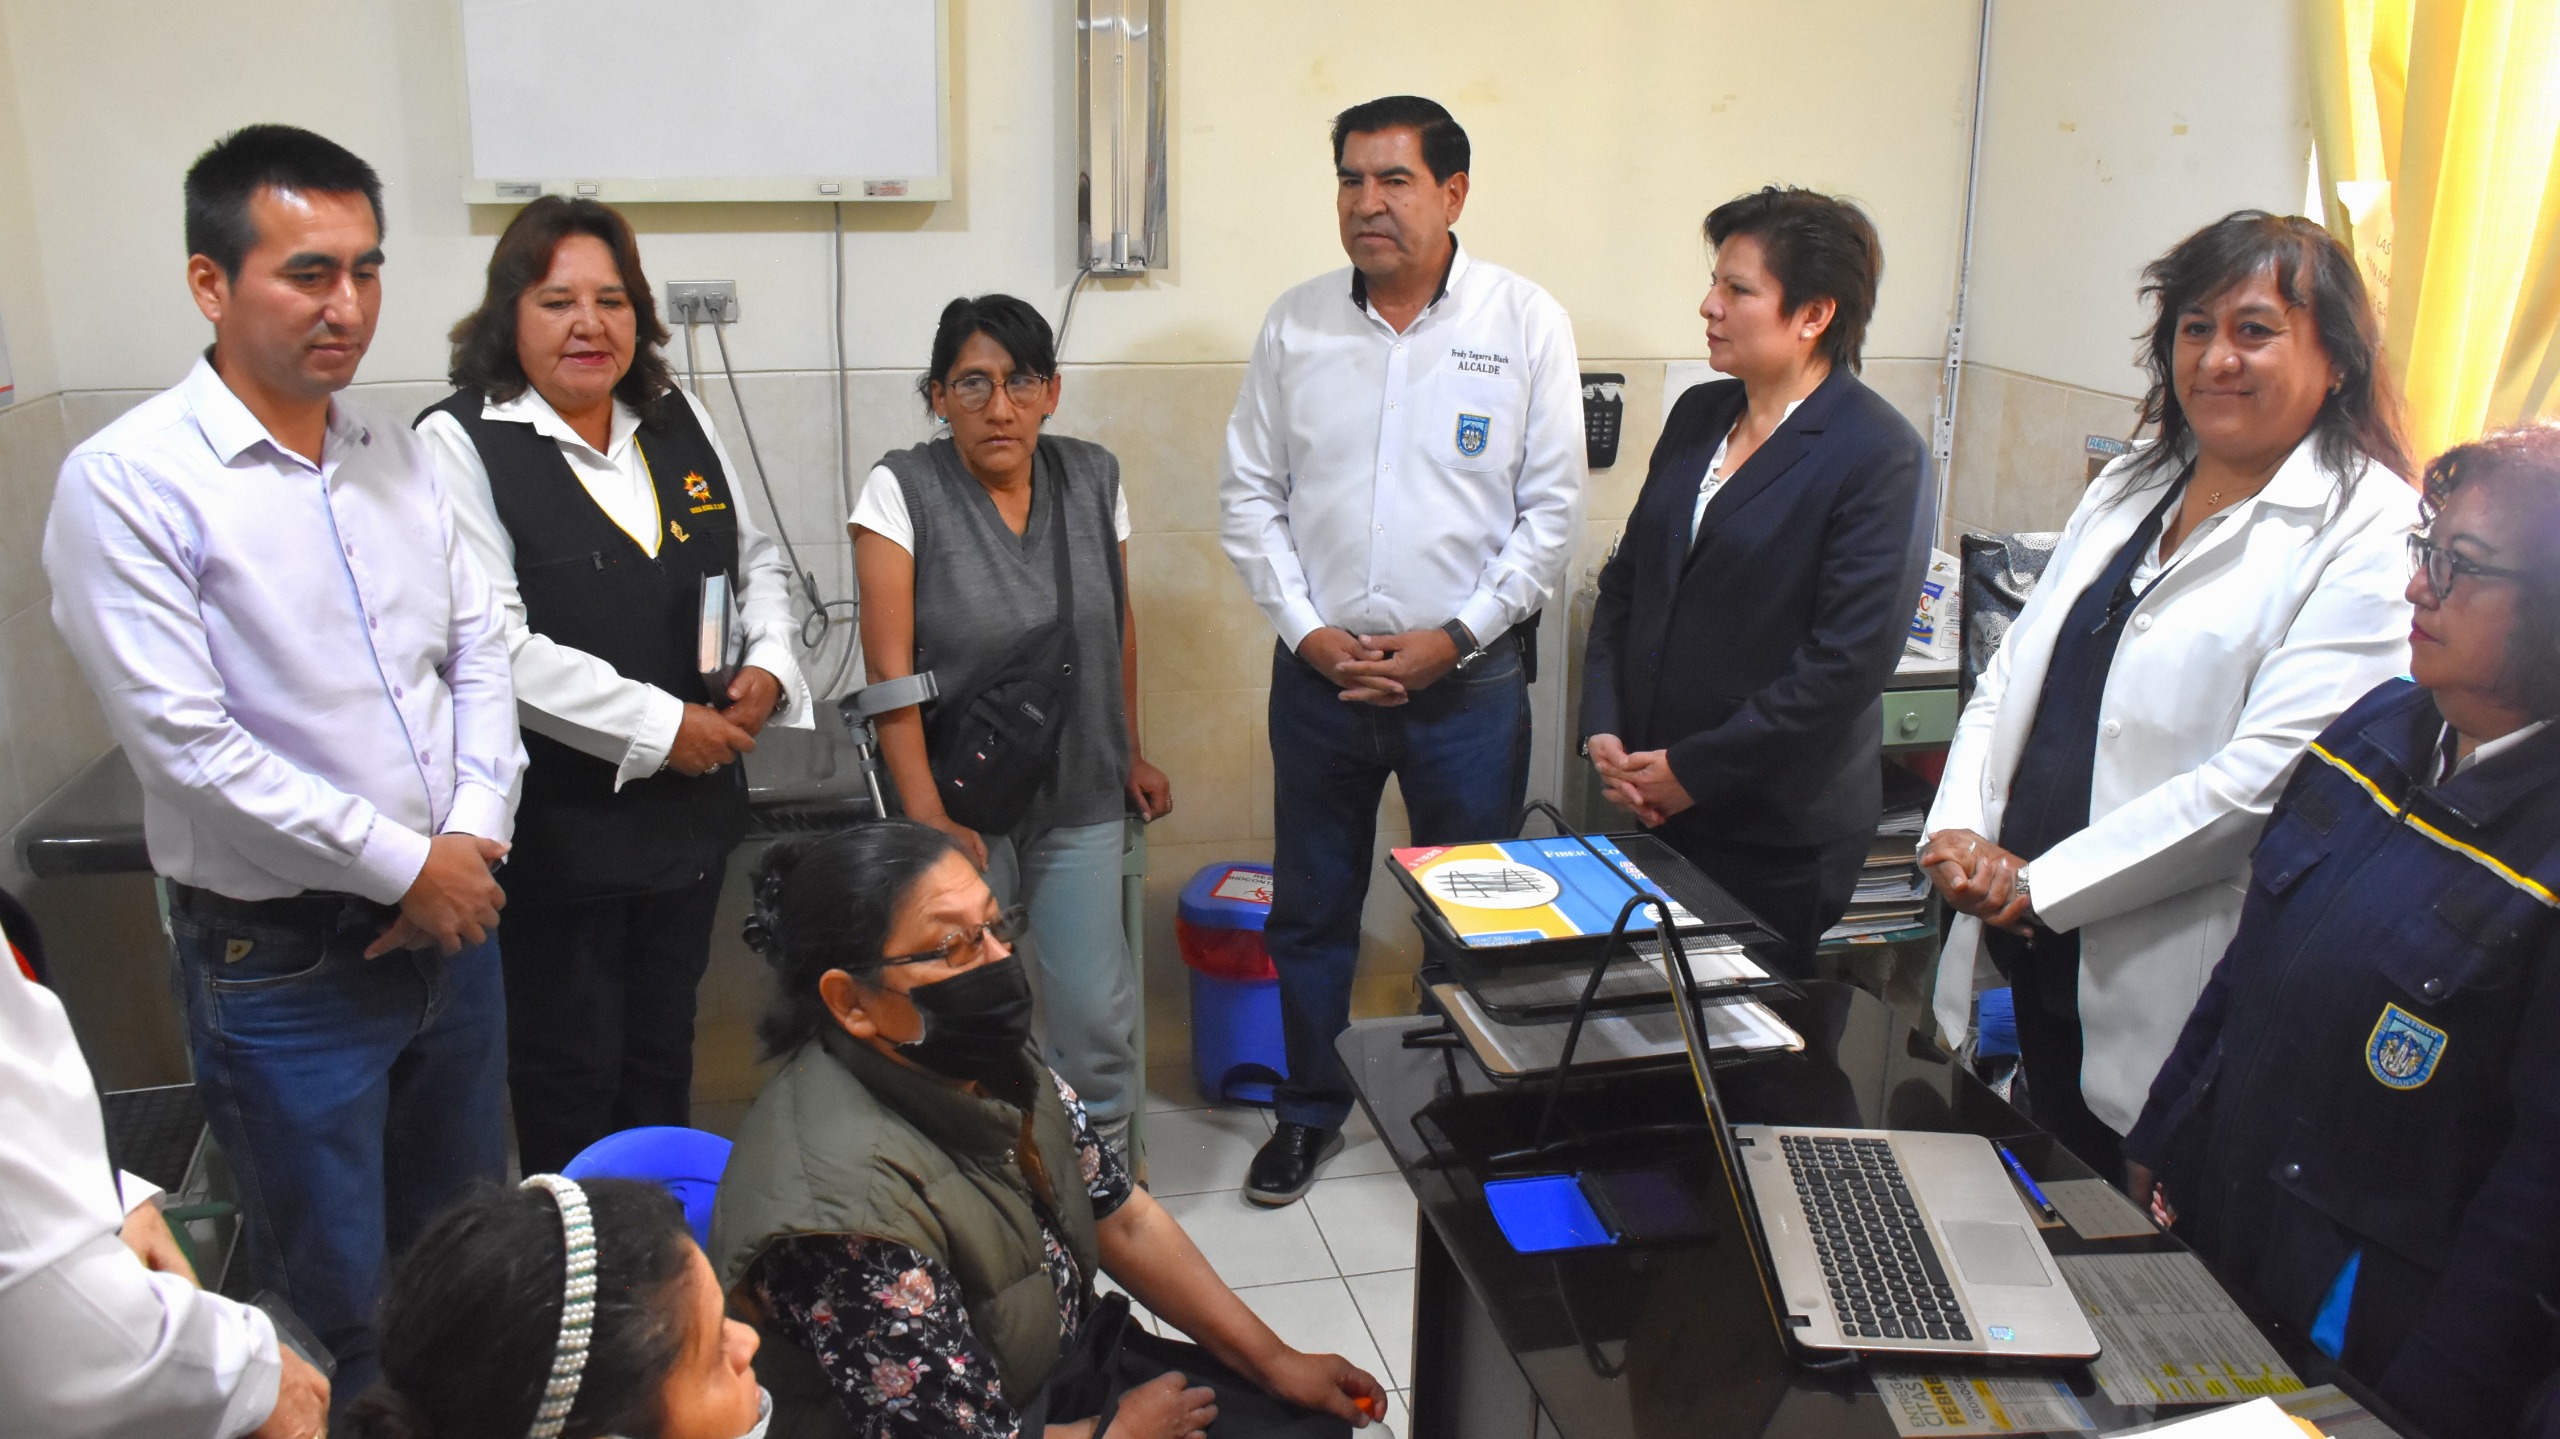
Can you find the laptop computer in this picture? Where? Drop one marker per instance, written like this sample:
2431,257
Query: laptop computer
1892,1240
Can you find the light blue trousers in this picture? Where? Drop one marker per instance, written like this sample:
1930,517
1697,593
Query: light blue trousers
1078,956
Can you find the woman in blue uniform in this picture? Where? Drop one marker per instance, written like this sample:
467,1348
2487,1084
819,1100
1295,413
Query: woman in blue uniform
2361,1119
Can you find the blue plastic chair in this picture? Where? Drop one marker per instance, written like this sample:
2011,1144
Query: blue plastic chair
688,1162
1996,1024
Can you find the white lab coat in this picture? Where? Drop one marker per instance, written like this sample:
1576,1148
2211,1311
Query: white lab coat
2235,658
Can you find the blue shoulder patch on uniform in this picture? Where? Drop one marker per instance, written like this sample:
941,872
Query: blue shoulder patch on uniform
1474,432
2403,1049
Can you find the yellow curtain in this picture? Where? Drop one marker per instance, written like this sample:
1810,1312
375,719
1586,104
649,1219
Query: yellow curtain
2438,125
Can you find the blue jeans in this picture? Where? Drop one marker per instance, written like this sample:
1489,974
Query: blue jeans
1459,752
1078,955
353,1098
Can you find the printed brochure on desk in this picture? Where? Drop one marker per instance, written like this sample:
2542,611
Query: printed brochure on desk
1520,891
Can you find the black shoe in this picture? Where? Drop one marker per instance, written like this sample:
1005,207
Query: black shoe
1286,1167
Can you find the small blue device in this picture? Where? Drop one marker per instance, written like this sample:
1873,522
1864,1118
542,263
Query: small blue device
1545,1213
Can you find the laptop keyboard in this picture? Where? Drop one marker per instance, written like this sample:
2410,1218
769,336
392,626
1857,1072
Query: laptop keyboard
1884,1275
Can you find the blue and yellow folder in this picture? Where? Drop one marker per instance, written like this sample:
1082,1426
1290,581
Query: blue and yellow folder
1522,891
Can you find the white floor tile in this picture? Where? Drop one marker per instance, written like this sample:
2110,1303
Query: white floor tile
1194,1151
1399,1419
1318,1316
1386,1301
1367,1220
1250,1245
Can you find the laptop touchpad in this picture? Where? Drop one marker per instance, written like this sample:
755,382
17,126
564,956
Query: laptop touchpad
1994,1253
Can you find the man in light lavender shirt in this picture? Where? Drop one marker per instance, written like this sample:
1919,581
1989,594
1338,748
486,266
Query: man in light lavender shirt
264,586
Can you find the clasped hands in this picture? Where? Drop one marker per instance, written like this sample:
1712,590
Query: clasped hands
1641,783
455,899
709,738
1384,670
1978,878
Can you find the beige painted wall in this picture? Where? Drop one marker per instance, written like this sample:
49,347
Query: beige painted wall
1604,132
2112,130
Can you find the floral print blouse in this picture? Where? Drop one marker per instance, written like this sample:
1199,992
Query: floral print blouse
887,1325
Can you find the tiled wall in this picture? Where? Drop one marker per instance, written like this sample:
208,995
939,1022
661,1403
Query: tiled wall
1205,649
49,726
2020,464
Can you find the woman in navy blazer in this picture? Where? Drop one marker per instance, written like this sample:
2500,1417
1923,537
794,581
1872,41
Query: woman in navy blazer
1755,607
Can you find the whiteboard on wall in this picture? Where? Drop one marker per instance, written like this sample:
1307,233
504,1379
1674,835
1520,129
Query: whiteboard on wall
636,100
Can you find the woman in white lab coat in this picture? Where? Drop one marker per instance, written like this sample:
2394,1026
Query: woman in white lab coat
2218,597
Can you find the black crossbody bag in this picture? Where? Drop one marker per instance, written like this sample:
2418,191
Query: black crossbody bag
994,748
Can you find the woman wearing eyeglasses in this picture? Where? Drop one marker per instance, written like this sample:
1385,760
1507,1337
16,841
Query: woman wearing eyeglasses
956,544
2361,1121
917,1209
2218,596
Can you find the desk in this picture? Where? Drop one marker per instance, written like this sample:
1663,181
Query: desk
1671,1340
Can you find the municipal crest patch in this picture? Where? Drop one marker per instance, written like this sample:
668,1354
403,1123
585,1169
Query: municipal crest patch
1474,433
698,487
2403,1049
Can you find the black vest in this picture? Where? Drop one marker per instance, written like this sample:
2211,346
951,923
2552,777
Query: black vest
587,586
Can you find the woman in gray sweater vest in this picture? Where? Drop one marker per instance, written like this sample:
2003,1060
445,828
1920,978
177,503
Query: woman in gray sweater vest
956,562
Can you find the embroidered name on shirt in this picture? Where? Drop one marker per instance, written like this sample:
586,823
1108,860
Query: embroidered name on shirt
1478,362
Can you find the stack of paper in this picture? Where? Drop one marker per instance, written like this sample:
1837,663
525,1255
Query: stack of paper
1512,1050
1892,894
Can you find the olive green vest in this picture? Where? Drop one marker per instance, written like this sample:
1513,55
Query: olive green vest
845,1140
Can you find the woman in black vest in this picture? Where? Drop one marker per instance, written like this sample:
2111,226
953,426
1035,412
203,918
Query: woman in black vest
963,544
918,1211
597,498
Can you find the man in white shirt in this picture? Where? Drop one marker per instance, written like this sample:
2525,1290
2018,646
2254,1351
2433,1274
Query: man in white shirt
264,587
1402,489
103,1332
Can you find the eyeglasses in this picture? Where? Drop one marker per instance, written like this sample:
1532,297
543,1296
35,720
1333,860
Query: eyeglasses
1022,387
959,944
2444,566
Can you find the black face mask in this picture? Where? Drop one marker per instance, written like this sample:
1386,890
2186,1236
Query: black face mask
975,1023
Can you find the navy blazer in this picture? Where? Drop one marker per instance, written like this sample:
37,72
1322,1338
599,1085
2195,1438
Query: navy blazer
1758,656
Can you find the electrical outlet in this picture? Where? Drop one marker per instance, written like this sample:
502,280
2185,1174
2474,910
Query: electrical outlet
704,300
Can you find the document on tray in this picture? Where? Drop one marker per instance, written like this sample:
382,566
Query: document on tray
2169,1333
1921,1402
1512,1049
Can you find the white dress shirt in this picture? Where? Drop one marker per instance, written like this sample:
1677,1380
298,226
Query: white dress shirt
300,660
2447,766
1382,482
91,1343
1713,480
568,694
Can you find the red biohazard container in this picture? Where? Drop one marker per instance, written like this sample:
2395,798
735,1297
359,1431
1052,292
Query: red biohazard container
1237,1048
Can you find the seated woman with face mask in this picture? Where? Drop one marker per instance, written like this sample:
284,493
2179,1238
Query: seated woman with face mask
917,1207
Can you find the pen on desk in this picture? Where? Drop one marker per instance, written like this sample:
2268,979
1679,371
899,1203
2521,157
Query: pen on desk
2026,1183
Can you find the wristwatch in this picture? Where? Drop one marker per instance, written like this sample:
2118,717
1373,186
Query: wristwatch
1465,639
2018,888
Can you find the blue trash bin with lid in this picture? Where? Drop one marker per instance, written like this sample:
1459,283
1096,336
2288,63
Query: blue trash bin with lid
1238,1051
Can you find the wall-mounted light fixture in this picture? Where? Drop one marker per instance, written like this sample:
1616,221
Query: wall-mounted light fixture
1120,194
